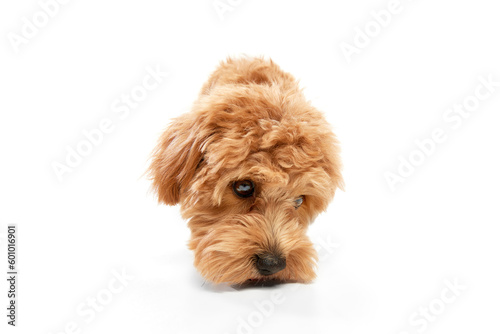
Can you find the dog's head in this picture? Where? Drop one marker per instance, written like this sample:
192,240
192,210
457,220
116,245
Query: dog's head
251,167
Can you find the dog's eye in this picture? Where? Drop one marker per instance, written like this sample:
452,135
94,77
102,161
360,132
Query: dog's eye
298,202
243,188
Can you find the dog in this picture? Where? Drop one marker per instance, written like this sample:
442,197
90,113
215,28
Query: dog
252,164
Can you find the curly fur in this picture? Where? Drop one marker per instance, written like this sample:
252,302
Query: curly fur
250,122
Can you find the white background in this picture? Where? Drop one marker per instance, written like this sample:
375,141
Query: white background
395,249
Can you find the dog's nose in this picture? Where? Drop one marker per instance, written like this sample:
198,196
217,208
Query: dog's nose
268,264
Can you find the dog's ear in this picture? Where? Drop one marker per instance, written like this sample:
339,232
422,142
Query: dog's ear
175,158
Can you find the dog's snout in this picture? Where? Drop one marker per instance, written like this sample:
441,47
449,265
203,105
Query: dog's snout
268,264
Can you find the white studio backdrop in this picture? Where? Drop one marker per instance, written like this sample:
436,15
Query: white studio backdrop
412,89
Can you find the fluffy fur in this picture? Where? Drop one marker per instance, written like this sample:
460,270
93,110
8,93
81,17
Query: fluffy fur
251,121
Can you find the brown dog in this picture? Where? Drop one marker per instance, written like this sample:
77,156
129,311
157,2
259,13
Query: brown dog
252,165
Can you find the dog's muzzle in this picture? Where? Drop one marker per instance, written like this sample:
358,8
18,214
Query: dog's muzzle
268,264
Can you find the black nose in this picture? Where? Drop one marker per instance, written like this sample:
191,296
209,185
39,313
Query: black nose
268,264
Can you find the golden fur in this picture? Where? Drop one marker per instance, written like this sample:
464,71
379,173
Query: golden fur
250,122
